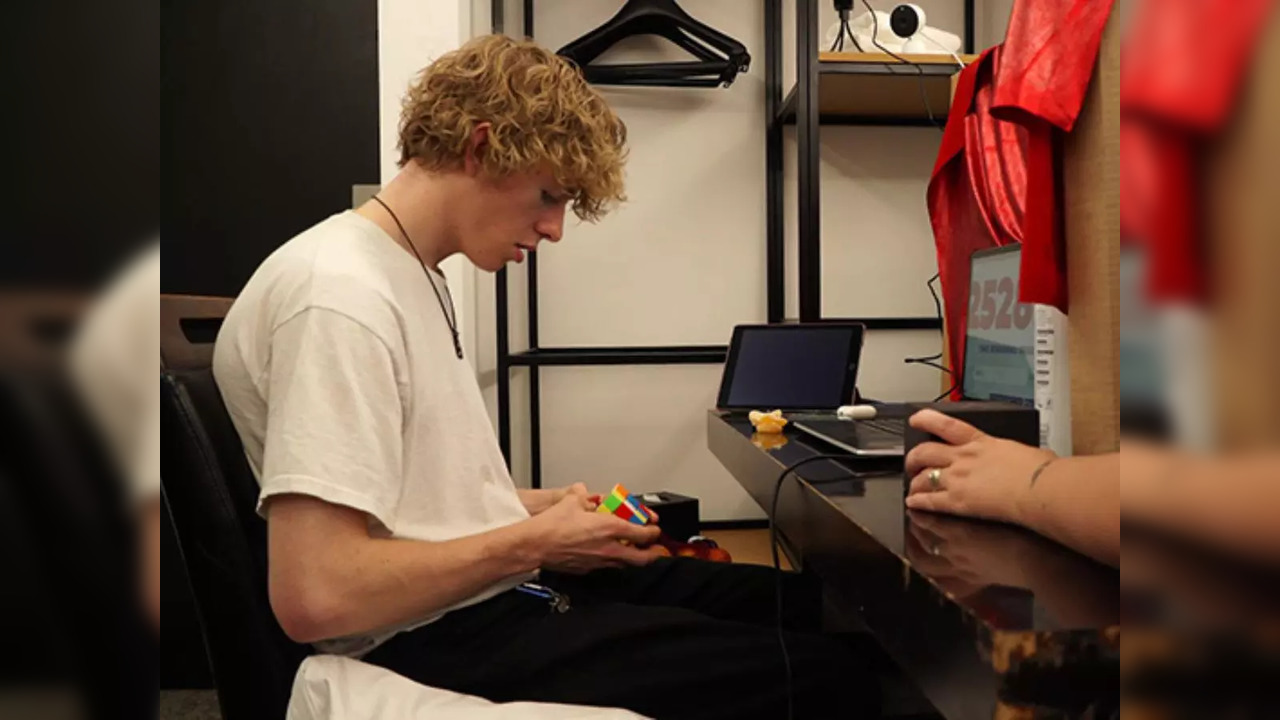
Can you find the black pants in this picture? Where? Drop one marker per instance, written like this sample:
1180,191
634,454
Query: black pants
680,638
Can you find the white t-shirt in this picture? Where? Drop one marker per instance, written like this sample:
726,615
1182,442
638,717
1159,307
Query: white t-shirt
338,369
115,364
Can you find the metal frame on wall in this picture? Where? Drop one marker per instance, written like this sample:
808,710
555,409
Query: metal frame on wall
536,356
802,106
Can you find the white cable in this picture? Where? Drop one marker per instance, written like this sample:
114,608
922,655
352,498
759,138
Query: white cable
944,47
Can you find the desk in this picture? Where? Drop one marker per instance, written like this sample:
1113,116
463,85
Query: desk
989,621
1202,630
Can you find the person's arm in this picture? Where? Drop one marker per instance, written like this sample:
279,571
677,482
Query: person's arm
333,463
1074,501
1073,591
1229,503
328,578
536,501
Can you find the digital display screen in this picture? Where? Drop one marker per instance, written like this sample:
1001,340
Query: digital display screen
1143,373
791,367
1000,340
1141,369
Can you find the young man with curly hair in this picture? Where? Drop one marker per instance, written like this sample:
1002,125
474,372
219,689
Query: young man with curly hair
395,532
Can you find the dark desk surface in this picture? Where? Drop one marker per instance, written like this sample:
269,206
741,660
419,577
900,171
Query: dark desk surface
990,621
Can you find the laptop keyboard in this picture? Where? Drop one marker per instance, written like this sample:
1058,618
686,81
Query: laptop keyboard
890,426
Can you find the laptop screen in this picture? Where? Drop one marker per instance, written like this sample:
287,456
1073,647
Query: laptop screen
1143,372
792,367
1000,339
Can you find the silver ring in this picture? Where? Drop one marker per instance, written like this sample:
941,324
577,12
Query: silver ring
935,478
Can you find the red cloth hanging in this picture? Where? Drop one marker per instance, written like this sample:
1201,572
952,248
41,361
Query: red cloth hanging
964,216
996,178
1046,64
1183,66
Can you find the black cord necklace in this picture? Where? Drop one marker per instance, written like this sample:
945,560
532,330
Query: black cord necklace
450,315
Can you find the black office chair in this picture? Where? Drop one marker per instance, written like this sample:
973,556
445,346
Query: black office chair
77,533
211,495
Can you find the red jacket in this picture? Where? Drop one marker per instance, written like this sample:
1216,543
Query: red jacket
996,178
1183,66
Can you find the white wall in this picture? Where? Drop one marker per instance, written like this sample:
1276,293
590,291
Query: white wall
993,20
412,33
683,262
877,244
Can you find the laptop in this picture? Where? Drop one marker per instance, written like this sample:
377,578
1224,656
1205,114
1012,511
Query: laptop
1144,371
999,357
796,368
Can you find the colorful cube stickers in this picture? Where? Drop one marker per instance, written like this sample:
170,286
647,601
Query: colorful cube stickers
626,506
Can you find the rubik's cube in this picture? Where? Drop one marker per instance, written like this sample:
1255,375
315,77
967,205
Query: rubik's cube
626,506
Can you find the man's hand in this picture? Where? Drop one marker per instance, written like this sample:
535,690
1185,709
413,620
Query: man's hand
539,501
574,541
978,475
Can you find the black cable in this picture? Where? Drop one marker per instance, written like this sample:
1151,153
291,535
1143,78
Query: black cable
929,363
844,9
929,359
937,306
937,302
845,30
954,384
875,31
853,37
777,564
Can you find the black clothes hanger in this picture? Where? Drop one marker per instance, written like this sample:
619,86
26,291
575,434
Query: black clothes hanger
720,57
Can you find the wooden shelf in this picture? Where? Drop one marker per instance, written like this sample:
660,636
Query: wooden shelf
879,57
875,89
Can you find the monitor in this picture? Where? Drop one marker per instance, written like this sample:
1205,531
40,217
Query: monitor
999,357
1142,372
791,367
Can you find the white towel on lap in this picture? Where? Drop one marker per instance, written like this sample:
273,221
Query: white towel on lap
331,687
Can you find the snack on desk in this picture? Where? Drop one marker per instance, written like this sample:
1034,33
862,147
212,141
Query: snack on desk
769,441
769,423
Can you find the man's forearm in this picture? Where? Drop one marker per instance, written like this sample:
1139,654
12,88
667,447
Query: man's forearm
1076,501
362,585
535,501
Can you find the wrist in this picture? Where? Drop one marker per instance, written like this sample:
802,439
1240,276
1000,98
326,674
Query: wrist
522,545
1028,504
536,501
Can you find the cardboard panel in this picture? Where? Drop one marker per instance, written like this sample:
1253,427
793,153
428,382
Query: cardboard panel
1091,180
1241,215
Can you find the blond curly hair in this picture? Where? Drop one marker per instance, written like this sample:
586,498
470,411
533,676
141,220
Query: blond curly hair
542,114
